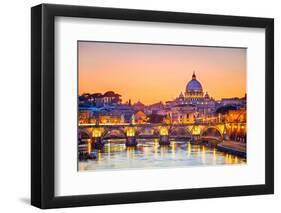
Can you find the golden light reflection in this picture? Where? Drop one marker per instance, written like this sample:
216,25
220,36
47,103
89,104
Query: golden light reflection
198,150
163,150
99,155
236,160
130,152
173,148
89,146
108,151
228,158
188,149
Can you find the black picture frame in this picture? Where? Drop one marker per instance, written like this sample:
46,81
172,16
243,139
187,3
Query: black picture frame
43,110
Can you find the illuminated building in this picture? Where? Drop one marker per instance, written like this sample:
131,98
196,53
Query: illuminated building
191,106
85,116
194,96
140,117
181,114
109,119
239,115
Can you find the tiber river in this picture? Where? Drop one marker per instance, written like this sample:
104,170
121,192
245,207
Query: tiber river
149,154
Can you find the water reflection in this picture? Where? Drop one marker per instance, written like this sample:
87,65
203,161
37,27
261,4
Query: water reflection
214,156
188,149
149,154
203,155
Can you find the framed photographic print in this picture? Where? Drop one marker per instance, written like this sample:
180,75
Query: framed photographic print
139,106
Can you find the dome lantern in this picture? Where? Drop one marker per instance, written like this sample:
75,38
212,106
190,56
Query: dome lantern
193,76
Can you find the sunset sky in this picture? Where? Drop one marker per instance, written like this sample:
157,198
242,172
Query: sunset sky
153,73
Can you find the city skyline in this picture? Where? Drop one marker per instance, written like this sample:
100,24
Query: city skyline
153,73
202,119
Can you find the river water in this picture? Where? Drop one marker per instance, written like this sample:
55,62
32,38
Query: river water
149,154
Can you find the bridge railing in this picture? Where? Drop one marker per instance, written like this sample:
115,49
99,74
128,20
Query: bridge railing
158,124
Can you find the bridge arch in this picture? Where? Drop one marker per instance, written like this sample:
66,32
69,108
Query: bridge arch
114,133
211,131
84,133
147,132
180,131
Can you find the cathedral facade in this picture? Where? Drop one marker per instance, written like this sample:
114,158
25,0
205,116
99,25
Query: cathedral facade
194,96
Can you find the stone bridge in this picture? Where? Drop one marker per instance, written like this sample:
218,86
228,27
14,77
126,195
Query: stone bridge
198,132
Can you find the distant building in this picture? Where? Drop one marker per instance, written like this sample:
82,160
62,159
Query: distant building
193,90
181,114
99,99
240,102
230,101
194,96
111,98
85,116
194,105
140,117
154,108
124,111
109,119
139,106
237,115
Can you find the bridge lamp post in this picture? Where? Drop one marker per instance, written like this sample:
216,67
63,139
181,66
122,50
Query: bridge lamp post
131,139
96,138
164,136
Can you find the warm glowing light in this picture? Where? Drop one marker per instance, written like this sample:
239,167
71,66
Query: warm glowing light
196,130
235,160
163,150
164,130
89,146
198,150
108,151
99,155
173,148
96,132
155,148
203,155
188,149
214,156
130,152
228,159
130,132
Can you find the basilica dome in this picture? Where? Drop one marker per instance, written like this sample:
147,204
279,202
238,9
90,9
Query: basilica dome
194,86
